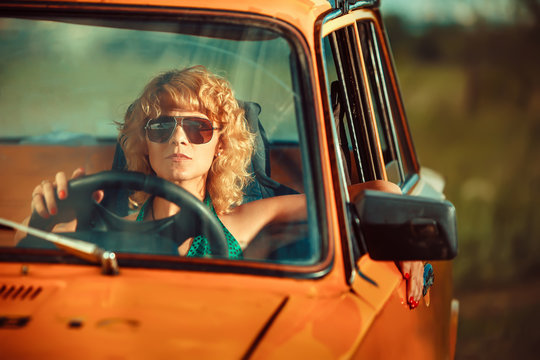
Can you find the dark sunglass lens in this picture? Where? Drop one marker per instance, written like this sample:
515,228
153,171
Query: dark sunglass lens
160,129
198,131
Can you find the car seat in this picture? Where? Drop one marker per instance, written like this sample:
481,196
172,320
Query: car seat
262,186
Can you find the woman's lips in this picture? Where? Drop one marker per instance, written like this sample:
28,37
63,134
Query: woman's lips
178,157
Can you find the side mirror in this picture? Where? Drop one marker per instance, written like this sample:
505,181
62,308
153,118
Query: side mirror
404,227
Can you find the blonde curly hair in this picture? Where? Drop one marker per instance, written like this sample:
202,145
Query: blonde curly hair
194,89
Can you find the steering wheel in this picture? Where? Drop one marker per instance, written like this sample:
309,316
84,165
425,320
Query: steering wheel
192,220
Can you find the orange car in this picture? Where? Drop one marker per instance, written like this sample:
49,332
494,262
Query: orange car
320,94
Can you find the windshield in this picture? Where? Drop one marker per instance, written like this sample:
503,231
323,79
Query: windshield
69,84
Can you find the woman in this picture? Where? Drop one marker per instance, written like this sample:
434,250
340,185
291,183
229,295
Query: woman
187,128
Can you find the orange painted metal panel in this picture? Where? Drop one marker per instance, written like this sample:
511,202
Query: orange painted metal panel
328,327
384,277
144,313
423,333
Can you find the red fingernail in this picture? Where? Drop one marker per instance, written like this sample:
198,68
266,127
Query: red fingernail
62,194
53,211
407,276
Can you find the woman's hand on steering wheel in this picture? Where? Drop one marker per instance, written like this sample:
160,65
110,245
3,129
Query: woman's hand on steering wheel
43,196
53,208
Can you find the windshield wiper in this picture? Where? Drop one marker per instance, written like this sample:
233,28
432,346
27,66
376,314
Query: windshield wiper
82,249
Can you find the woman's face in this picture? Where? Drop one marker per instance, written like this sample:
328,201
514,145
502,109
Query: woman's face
178,160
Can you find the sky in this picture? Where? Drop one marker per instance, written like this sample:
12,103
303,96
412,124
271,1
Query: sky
464,12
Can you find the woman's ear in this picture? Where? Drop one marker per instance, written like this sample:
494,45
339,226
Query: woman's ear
219,149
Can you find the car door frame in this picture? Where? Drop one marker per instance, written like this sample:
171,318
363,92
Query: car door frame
375,282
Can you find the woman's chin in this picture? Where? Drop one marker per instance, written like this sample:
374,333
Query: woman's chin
182,177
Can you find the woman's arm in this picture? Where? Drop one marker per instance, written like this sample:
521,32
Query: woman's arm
247,220
378,185
412,271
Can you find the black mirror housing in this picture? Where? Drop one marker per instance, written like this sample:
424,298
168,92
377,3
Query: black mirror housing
403,227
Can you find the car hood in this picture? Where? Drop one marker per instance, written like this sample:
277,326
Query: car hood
129,317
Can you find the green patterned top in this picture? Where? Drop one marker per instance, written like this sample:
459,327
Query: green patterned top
200,247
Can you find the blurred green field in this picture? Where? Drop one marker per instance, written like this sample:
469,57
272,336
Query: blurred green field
473,104
472,97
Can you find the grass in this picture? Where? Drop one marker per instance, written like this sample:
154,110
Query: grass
480,129
489,157
473,102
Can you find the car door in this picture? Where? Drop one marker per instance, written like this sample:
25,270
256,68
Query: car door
373,142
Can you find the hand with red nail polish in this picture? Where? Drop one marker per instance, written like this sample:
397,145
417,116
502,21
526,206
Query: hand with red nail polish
413,273
45,196
413,303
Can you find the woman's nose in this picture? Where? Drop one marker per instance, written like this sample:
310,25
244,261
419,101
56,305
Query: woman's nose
179,136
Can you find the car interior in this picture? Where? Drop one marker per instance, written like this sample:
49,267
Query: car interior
70,132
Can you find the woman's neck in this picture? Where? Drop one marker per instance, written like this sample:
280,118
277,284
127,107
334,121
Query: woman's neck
162,208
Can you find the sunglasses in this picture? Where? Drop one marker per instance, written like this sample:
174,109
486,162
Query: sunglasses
197,129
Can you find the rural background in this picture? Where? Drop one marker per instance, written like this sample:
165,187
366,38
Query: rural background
469,76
